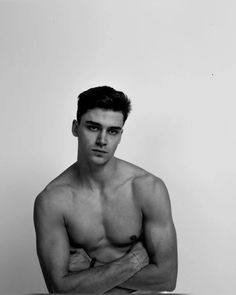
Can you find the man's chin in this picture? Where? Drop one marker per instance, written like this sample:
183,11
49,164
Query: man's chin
99,160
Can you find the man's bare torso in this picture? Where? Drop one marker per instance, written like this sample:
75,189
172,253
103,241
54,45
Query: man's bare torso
104,222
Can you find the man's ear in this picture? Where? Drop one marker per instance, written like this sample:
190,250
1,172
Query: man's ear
75,128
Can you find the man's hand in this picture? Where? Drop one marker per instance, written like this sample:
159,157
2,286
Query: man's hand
140,255
79,261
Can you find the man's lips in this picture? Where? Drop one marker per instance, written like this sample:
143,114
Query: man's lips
99,151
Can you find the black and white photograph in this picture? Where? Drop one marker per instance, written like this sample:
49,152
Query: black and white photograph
118,145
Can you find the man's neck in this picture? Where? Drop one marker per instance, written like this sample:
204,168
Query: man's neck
97,176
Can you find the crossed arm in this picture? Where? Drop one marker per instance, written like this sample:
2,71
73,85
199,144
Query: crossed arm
131,271
160,242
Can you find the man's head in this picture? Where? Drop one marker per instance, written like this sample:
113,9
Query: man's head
103,97
101,114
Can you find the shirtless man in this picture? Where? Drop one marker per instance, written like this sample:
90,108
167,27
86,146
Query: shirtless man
105,225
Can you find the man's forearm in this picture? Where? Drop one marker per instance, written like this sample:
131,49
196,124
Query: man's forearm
150,278
119,291
99,279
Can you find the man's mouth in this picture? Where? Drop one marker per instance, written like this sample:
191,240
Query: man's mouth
99,151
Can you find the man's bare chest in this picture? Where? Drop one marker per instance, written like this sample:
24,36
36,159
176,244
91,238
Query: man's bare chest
103,220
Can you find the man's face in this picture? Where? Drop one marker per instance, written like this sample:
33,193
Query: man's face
99,133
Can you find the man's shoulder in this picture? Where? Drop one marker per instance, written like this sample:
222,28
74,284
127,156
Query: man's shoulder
53,197
141,178
147,187
148,181
59,188
57,193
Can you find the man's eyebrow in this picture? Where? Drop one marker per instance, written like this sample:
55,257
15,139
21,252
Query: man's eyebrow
99,125
117,128
92,123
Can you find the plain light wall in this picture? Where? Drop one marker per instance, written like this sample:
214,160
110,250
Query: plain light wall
176,61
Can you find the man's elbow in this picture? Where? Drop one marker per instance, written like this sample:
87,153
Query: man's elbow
171,278
60,286
61,289
58,289
168,284
66,286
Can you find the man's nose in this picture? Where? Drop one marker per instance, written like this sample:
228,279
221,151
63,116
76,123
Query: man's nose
101,139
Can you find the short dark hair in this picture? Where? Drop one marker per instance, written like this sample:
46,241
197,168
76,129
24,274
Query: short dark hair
103,97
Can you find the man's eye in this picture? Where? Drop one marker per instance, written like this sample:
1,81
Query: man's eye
92,128
113,132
